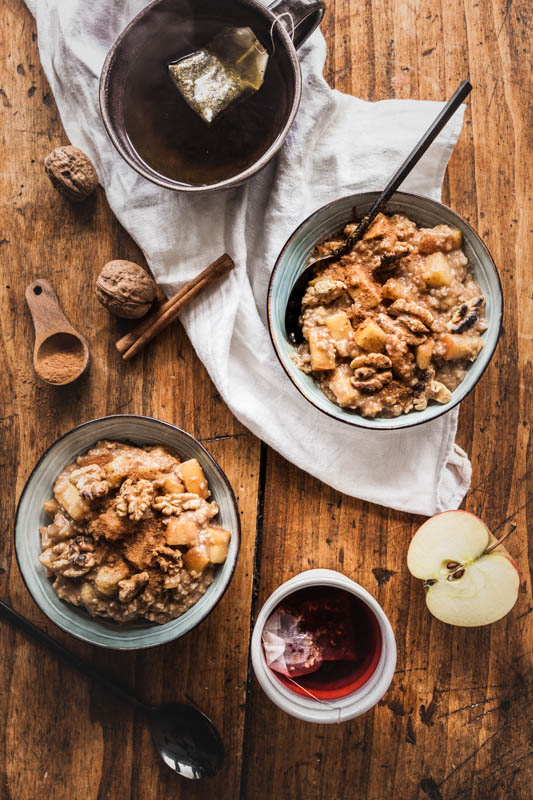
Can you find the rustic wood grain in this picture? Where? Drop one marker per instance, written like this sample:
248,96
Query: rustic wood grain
457,722
61,737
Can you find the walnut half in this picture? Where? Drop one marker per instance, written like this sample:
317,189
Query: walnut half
90,481
175,503
134,498
372,372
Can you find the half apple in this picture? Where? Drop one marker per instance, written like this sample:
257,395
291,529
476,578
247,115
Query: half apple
470,579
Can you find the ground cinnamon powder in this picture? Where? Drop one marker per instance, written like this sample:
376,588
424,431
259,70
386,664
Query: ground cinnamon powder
59,358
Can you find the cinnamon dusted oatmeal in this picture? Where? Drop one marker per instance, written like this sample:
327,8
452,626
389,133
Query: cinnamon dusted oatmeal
133,535
394,324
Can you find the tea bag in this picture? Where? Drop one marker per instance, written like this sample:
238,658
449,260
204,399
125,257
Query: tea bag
229,69
300,635
287,648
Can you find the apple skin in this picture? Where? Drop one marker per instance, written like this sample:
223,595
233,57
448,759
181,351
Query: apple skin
487,586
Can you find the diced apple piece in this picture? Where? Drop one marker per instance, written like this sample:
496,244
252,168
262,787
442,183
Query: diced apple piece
68,496
339,326
341,386
196,559
173,485
108,577
341,331
87,593
436,271
194,478
460,345
395,289
455,238
423,354
378,228
217,542
370,336
51,507
441,237
364,291
183,530
321,348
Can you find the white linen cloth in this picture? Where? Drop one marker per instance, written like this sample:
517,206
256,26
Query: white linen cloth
337,145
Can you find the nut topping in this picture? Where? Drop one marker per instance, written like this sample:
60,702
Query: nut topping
324,291
72,558
90,481
134,498
176,503
378,360
372,372
439,392
466,316
130,587
414,309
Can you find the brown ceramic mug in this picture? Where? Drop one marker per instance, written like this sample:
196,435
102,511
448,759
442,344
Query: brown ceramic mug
155,22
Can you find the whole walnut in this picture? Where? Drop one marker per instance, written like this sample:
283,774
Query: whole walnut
71,172
125,289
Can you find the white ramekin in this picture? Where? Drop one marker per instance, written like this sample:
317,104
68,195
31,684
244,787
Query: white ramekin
342,708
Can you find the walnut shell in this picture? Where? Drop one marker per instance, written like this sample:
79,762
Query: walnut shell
125,289
71,172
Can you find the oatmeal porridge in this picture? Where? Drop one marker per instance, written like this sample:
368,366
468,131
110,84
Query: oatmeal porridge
133,534
392,325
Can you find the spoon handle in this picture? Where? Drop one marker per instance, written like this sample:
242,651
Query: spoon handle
10,615
462,91
47,314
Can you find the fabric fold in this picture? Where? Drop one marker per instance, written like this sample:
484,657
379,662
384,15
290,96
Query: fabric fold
337,145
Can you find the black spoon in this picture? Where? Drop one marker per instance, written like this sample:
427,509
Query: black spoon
186,739
294,304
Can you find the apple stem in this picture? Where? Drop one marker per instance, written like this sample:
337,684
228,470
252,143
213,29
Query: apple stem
500,541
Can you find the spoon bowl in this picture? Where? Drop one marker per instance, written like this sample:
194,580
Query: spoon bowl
187,741
65,344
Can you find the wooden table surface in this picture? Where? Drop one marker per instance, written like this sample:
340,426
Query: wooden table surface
457,721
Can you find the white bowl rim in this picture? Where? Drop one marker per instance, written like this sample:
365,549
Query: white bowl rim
340,709
205,453
404,417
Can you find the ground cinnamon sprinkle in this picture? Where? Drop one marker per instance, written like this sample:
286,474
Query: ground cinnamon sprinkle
59,358
139,547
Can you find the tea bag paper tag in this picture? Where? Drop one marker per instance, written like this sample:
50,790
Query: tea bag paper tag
229,69
273,645
287,648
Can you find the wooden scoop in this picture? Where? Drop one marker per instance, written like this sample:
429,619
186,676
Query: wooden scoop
60,354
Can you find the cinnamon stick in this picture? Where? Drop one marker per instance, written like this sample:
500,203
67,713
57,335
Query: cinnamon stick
129,345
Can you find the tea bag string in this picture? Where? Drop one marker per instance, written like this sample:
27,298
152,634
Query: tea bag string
277,21
318,700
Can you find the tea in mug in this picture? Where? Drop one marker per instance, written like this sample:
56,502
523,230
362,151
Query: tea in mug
172,138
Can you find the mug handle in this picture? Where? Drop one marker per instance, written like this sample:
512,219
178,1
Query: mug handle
306,15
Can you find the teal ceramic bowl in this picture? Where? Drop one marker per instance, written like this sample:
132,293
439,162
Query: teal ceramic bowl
330,220
30,517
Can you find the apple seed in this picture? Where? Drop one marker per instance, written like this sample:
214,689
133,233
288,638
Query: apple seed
457,574
452,564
